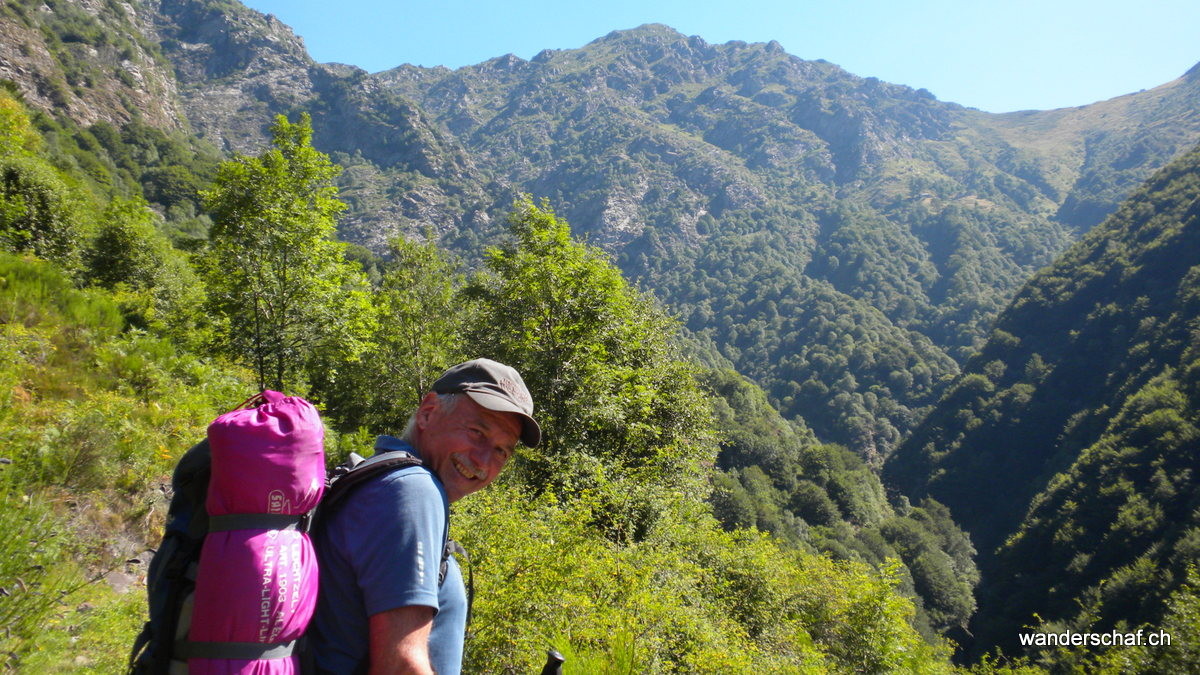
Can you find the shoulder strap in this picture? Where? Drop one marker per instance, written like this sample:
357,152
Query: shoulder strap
342,480
356,470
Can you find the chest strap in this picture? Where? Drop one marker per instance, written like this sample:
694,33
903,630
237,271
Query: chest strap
242,651
255,521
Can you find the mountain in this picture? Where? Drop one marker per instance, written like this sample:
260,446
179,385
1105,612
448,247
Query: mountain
1067,446
113,365
863,199
844,241
764,197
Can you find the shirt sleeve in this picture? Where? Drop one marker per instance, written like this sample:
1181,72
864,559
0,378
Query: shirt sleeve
401,525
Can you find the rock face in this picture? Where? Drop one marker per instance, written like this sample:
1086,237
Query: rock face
713,127
237,68
89,60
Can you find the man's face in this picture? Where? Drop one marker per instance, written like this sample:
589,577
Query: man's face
467,446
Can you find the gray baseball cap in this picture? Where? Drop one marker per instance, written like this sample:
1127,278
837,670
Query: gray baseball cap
494,386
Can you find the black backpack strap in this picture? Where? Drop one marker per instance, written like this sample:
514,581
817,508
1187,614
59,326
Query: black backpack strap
355,471
140,645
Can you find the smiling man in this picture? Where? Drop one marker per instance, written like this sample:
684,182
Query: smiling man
391,599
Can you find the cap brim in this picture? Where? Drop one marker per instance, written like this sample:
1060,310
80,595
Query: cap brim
531,433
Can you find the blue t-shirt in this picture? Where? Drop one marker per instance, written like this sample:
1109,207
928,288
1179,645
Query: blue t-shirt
381,549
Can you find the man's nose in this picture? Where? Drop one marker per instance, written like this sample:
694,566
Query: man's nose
484,454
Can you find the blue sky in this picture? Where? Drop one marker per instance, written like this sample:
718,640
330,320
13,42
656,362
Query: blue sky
996,55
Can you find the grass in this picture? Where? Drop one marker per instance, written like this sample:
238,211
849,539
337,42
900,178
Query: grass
93,417
92,632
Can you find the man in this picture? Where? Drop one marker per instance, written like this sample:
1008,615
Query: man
382,606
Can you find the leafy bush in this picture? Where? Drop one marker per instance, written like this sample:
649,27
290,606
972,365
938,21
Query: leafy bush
154,283
38,213
686,598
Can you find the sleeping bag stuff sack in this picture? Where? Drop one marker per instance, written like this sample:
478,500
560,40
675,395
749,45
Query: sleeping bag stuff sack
256,584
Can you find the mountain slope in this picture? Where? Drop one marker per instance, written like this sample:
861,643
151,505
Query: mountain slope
701,166
774,476
1067,446
1093,160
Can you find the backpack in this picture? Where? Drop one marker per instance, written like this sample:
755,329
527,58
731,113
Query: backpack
163,646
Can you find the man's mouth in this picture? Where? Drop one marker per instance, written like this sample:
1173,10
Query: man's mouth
466,470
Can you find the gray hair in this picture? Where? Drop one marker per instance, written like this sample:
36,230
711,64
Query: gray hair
446,403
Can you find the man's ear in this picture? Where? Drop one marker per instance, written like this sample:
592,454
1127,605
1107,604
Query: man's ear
428,405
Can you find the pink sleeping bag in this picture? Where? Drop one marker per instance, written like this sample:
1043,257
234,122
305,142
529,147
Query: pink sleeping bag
256,584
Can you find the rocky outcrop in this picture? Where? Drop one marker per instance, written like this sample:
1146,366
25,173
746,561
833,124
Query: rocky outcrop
89,61
237,68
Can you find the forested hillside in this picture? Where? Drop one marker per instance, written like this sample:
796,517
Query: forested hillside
1067,447
742,184
777,478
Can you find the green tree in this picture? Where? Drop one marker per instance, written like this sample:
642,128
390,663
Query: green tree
731,504
276,277
171,185
418,335
610,388
417,296
126,249
155,282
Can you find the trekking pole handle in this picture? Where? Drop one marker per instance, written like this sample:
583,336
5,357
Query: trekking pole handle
554,662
